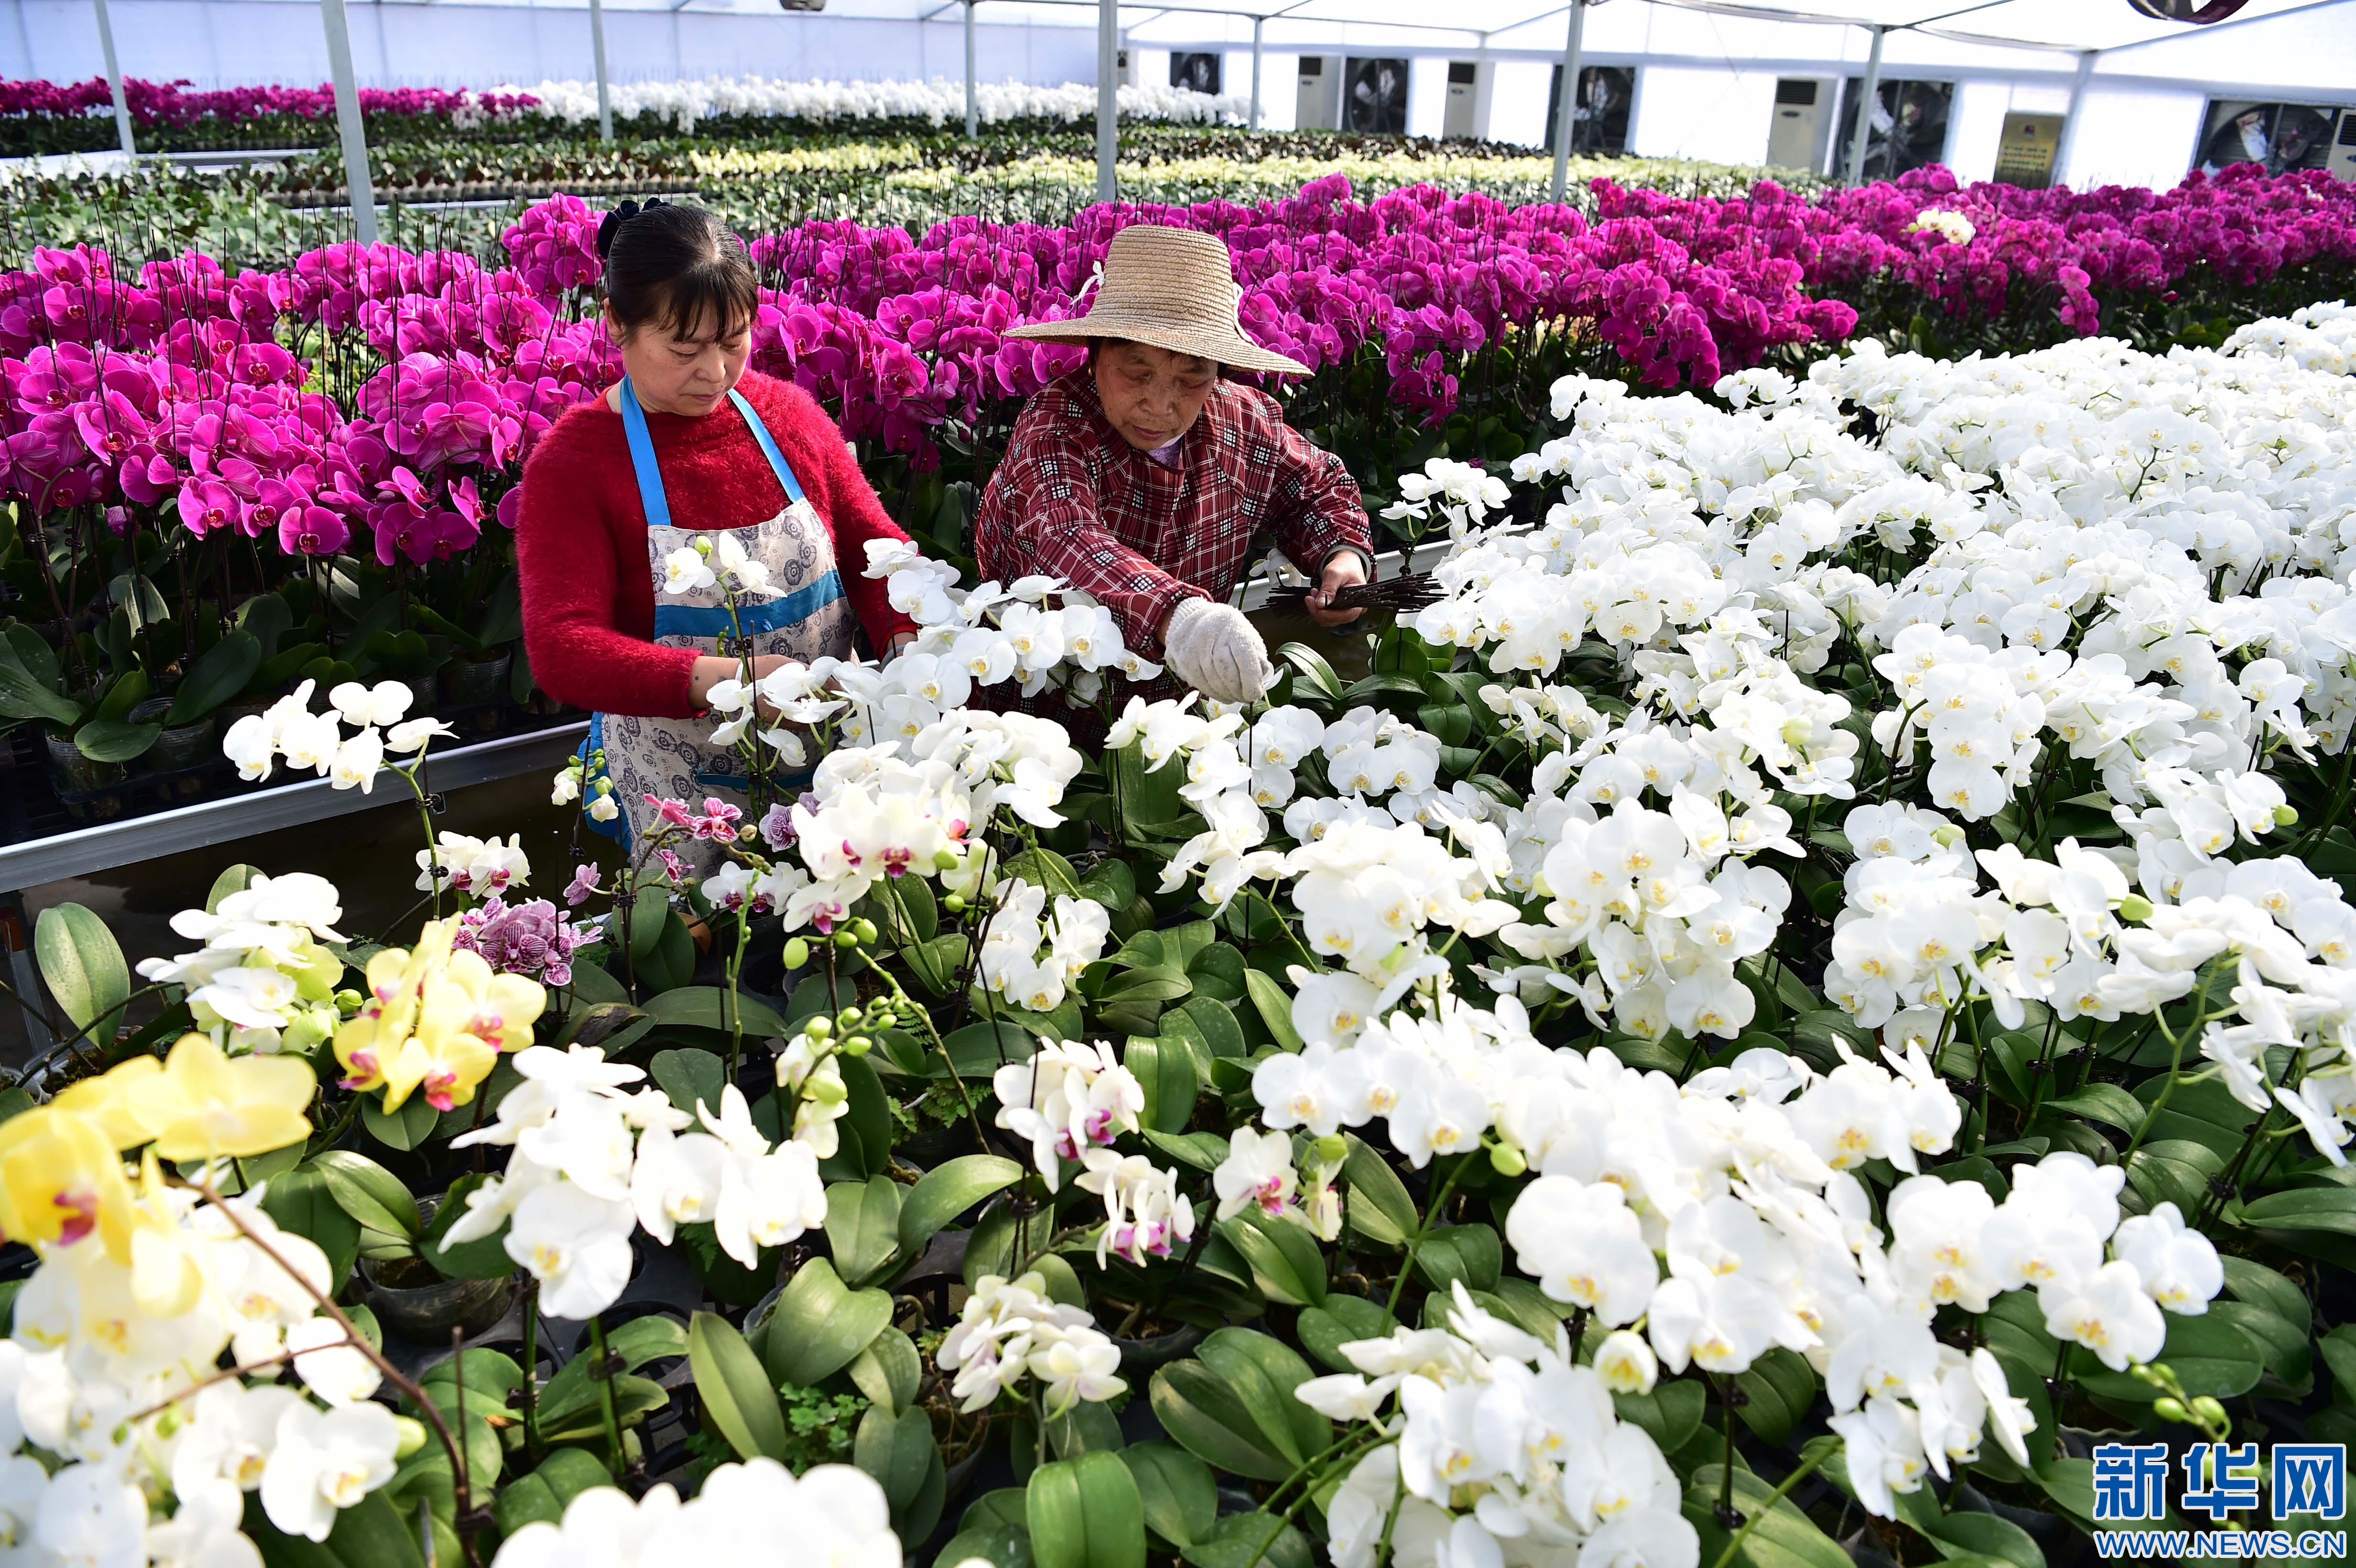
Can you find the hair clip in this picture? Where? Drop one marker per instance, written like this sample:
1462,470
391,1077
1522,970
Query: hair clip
611,224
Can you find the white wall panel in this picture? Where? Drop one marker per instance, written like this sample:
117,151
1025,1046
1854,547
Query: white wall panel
1723,116
2135,136
1517,101
1426,95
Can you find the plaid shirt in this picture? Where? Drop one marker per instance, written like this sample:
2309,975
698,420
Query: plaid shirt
1072,499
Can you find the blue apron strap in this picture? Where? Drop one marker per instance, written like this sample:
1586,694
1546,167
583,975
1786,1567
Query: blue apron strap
643,466
777,464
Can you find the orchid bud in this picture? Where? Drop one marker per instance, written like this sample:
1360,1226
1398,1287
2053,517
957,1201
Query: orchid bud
844,939
1947,835
2170,1410
2285,816
797,953
827,1090
703,548
747,834
307,1028
2209,1413
413,1436
818,1028
847,1019
1332,1148
347,1002
947,859
863,929
2135,907
858,1045
1507,1160
954,903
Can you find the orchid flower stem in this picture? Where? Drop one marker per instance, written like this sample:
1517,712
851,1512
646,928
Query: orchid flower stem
2225,1186
1279,1521
1286,926
734,1005
1039,1422
263,1365
2055,1386
2037,1078
604,1378
1979,1071
1356,1439
1423,1228
1801,1472
530,1307
1726,1464
1025,1257
425,819
1390,1520
902,1002
360,1342
2232,1178
2176,1062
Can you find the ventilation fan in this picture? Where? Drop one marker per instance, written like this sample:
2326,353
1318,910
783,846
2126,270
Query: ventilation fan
1374,98
2199,13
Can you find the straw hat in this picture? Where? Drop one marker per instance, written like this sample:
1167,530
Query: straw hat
1173,288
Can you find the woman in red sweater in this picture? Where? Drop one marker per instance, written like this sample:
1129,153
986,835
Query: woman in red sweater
686,442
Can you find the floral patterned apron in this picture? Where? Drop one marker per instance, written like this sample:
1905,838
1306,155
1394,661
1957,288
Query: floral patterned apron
808,618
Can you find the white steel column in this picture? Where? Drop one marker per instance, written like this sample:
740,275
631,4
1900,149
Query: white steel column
122,105
598,49
1567,102
2061,153
1868,100
1257,22
972,100
1108,95
348,121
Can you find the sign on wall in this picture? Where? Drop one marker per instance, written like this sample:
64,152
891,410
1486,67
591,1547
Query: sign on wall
2026,153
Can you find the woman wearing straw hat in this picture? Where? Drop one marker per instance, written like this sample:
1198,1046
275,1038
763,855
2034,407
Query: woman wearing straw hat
1143,478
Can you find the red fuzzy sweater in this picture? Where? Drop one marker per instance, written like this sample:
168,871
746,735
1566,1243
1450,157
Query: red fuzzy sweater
580,543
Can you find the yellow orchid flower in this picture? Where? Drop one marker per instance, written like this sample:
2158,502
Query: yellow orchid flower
445,1064
207,1105
61,1180
113,1101
368,1041
436,1021
505,1006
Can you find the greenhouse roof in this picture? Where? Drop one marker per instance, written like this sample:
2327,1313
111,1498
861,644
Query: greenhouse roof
2266,41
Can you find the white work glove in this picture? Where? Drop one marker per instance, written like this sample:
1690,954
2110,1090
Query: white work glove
1215,650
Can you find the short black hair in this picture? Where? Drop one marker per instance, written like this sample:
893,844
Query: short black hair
679,267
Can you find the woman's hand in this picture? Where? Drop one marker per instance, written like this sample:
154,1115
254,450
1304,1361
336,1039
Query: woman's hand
1345,568
709,671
